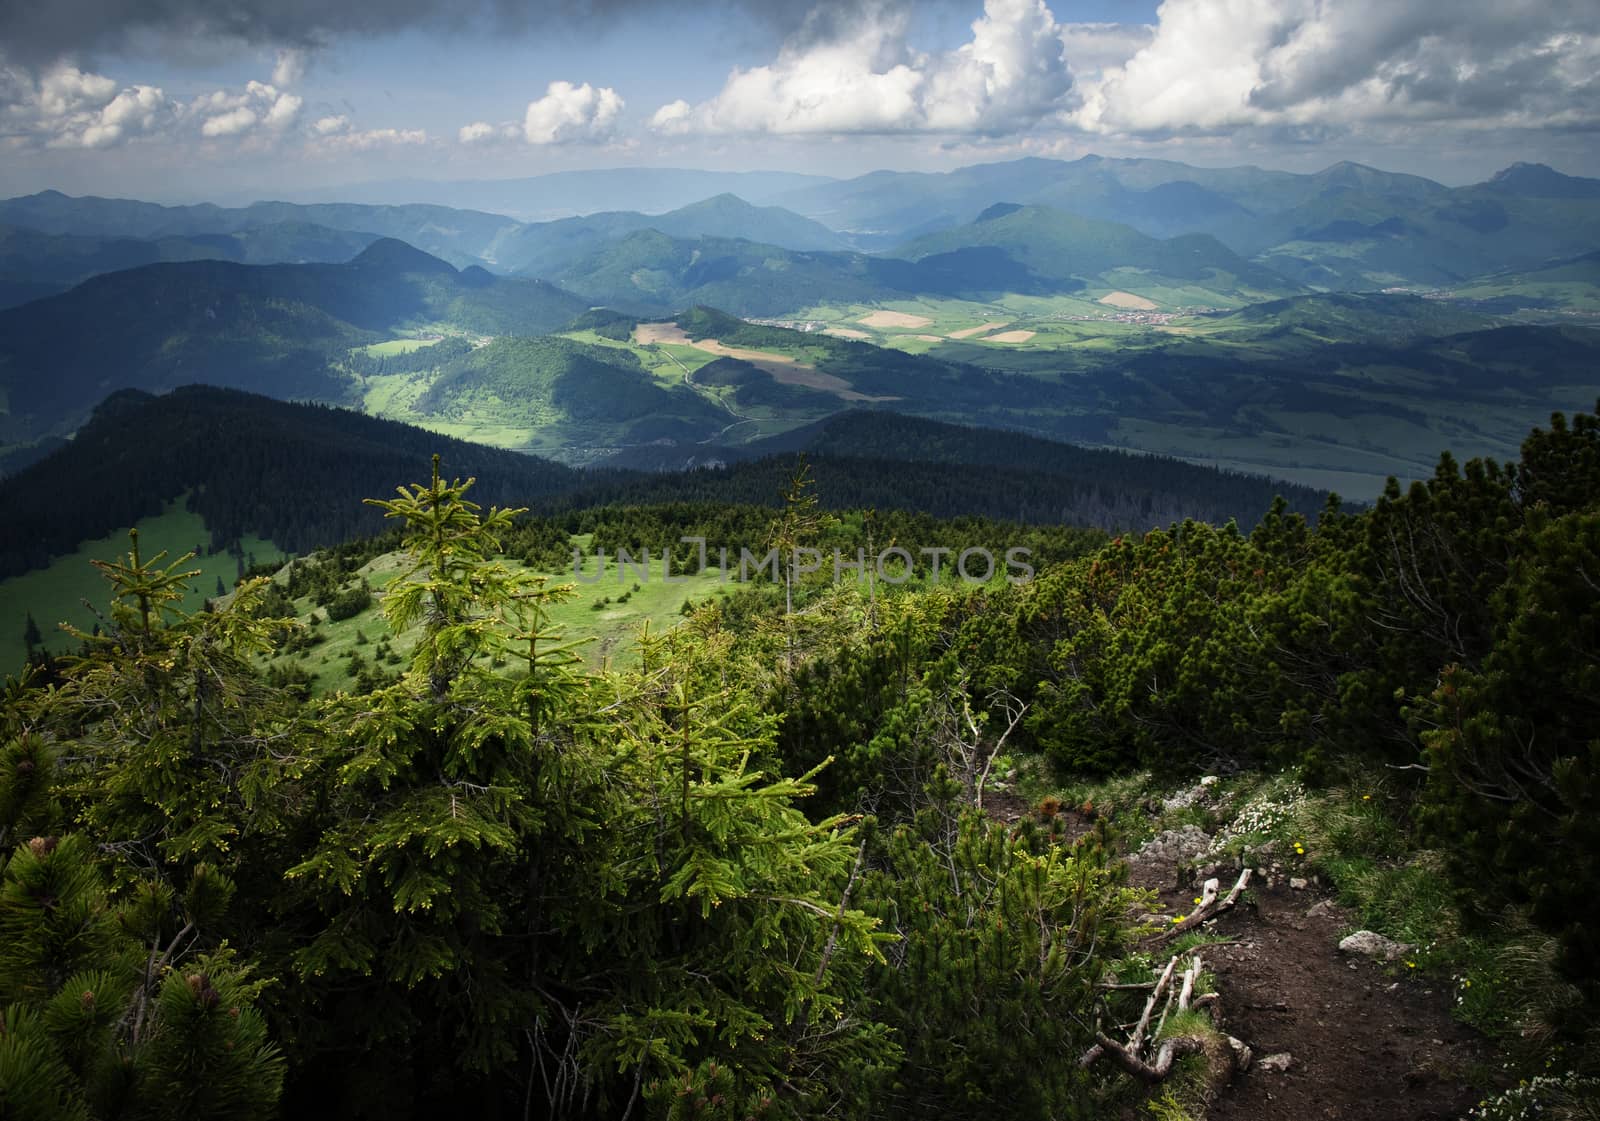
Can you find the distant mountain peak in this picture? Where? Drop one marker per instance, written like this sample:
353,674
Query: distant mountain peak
727,200
1523,167
393,255
1537,180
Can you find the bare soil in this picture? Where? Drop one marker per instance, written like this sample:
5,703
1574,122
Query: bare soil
1368,1043
1127,300
968,332
894,319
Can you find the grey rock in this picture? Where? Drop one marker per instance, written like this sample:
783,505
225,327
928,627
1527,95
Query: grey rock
1275,1064
1375,946
1173,847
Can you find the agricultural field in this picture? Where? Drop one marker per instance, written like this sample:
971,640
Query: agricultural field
1329,390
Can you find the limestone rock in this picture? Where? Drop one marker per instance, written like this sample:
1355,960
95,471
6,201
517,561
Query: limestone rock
1173,847
1375,946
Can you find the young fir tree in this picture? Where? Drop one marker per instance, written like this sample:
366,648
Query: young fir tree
577,892
451,812
733,949
181,744
112,922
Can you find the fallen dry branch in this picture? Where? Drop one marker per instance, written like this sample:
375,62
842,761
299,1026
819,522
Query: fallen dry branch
1131,1056
1210,906
1136,1041
1169,1051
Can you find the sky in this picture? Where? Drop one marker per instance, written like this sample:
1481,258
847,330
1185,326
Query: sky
189,100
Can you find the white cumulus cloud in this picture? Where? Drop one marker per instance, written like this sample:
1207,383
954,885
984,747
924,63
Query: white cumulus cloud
569,113
283,112
134,111
482,132
1203,68
1011,73
1218,65
231,123
68,108
237,113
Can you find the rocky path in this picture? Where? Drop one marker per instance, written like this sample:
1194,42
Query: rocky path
1365,1043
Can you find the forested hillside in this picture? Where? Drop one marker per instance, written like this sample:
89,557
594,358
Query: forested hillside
763,874
274,328
246,464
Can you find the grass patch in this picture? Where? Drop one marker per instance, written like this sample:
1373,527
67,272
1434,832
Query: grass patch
56,594
391,347
606,617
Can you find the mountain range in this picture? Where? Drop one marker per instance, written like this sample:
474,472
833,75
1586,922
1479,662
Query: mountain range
268,327
1133,303
1348,227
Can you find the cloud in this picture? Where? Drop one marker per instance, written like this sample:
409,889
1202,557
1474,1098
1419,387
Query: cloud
227,113
290,68
68,108
866,78
673,117
134,111
327,126
482,132
283,112
1094,48
231,123
1216,65
42,33
568,113
1295,70
350,140
66,91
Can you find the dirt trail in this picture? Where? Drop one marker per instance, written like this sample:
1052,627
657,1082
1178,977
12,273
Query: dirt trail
1367,1045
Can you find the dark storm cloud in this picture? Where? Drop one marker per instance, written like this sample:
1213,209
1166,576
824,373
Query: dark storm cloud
37,33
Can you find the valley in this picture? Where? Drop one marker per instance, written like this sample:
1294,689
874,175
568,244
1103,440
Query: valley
374,806
1029,316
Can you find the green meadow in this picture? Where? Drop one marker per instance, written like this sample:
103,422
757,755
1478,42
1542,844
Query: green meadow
56,594
605,633
602,619
391,347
